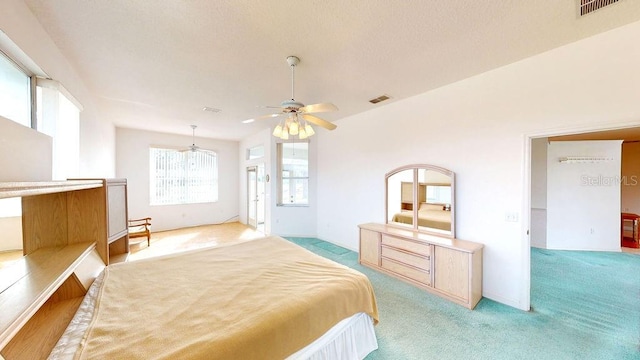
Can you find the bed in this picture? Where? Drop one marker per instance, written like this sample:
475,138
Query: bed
260,299
429,215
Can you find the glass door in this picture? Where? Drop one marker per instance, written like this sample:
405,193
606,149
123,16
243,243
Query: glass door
252,196
261,204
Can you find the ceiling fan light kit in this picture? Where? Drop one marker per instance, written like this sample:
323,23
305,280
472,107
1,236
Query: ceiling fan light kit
294,127
296,122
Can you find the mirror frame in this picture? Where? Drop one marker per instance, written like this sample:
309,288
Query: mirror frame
414,226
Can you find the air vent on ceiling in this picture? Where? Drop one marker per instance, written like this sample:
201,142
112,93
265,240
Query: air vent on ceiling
589,6
210,109
379,99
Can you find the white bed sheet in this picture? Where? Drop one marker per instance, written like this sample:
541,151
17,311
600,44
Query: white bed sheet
70,340
352,338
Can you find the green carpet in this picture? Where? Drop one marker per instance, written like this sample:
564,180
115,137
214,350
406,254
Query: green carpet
585,305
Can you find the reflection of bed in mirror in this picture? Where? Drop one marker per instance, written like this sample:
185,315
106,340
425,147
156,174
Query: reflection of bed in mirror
429,215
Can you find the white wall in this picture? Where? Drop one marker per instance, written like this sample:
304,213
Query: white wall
25,154
583,199
539,192
630,192
479,128
97,147
11,230
132,158
262,138
97,135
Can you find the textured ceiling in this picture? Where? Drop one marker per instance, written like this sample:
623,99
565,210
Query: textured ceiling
154,64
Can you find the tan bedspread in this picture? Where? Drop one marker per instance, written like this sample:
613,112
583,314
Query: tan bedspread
437,219
261,299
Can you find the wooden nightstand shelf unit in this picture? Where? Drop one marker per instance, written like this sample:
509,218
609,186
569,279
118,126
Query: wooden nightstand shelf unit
70,231
447,267
111,208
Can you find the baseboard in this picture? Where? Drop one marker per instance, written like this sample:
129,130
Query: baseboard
503,300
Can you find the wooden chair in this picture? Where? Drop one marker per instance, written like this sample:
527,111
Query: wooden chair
140,228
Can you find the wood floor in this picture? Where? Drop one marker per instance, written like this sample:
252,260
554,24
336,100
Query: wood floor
166,242
8,257
630,250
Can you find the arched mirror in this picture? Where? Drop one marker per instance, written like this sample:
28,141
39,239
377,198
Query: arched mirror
421,197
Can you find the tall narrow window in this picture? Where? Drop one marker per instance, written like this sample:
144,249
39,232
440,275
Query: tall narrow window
15,92
293,170
59,117
178,177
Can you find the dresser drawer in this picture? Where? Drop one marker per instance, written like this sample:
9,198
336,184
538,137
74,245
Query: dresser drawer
407,271
406,258
421,249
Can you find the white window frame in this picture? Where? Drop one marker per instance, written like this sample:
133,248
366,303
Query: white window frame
28,120
12,51
281,178
191,191
255,152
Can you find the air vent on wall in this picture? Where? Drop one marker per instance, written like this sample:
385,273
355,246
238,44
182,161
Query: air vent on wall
379,99
589,6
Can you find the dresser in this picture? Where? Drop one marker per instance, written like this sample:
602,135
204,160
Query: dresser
450,268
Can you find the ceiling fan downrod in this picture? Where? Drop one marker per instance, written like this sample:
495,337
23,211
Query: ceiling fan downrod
193,135
293,61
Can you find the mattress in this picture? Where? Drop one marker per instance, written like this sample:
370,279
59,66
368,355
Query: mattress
351,338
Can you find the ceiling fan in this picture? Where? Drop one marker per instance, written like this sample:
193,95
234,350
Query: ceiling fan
195,148
297,115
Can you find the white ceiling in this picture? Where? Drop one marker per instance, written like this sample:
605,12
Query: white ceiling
154,64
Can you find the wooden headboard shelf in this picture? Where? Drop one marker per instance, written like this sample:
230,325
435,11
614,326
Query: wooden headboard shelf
67,227
18,189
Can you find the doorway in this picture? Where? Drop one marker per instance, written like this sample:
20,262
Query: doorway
626,178
534,213
256,197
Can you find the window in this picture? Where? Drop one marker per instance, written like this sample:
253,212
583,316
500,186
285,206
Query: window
58,114
15,92
255,152
178,177
30,98
439,194
293,168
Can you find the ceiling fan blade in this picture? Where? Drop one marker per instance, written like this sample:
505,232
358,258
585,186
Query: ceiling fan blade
208,152
320,122
316,108
261,118
190,148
